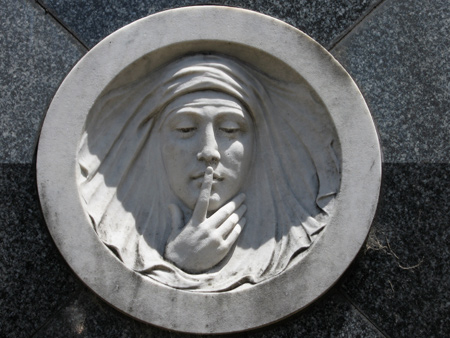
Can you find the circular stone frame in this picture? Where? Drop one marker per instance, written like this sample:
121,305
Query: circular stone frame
245,35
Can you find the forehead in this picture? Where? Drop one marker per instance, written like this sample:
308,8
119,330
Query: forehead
207,104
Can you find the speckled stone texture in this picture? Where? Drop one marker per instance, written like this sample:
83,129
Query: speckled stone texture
401,281
36,54
325,21
399,57
35,281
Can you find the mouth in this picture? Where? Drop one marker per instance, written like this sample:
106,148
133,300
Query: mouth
200,175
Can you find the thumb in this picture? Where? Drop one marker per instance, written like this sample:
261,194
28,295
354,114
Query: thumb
176,217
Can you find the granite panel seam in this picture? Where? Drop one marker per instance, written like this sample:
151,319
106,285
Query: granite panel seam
61,23
361,313
349,29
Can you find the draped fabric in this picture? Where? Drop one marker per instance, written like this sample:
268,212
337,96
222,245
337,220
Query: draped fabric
290,190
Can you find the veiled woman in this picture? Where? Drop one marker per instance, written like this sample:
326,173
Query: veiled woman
208,174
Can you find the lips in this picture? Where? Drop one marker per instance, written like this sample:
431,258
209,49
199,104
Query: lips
216,177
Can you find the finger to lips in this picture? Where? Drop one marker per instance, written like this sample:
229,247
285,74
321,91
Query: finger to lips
224,212
201,207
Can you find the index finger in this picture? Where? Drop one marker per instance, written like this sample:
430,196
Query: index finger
201,207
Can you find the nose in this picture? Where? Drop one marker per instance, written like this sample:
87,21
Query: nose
210,150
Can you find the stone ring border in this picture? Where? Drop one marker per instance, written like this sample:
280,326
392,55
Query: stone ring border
243,308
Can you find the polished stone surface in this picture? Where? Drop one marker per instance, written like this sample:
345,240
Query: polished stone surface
34,280
35,55
325,21
399,57
401,280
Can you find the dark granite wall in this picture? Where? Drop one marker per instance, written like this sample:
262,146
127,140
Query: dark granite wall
398,52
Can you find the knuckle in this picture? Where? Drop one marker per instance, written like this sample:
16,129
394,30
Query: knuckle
222,247
202,198
215,238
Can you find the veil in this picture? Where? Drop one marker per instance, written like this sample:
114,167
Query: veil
290,190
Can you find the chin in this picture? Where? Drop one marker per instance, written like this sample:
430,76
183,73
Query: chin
215,202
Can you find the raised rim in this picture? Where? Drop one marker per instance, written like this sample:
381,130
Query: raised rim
239,309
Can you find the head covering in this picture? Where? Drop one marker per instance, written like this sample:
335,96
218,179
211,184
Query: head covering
290,189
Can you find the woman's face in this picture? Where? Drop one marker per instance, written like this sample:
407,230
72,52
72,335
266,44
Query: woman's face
204,129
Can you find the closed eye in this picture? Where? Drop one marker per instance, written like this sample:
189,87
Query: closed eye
186,130
230,130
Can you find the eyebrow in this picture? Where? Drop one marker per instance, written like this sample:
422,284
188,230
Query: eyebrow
186,109
227,112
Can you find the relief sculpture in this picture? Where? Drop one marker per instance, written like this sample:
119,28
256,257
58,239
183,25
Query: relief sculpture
208,174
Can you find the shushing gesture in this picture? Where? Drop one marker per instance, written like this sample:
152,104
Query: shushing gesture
203,242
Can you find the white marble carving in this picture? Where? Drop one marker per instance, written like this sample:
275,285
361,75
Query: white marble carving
174,161
208,170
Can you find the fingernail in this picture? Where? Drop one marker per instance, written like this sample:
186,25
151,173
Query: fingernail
243,195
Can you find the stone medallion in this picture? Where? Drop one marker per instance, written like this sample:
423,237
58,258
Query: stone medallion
208,170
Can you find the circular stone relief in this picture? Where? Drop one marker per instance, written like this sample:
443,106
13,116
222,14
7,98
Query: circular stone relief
208,169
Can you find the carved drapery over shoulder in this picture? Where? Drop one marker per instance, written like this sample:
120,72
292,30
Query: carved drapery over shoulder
290,185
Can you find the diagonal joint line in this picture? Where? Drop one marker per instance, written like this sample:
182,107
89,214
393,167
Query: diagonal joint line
347,31
362,314
54,16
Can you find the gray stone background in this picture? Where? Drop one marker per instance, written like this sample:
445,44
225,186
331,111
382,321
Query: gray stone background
398,53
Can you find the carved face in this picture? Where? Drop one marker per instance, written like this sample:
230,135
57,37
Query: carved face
204,129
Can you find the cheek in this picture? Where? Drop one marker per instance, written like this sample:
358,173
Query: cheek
174,159
239,155
175,151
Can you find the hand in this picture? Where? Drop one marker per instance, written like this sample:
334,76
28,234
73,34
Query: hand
204,242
